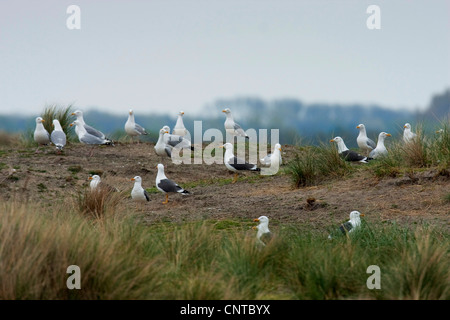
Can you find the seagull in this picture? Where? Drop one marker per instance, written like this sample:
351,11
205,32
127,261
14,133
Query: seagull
179,128
166,185
176,140
346,154
138,193
380,150
89,129
58,136
235,164
232,127
41,135
364,143
97,184
352,224
263,235
132,128
161,148
87,138
272,158
408,135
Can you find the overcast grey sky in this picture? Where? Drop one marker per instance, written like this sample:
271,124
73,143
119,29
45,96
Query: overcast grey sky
180,55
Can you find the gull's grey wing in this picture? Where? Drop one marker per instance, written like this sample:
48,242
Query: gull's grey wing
168,150
146,195
240,164
139,129
94,131
169,186
58,138
346,227
371,143
90,139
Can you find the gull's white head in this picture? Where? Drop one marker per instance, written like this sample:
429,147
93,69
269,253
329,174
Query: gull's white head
163,131
181,113
95,177
130,112
137,179
226,110
278,147
227,146
383,135
160,167
262,220
337,139
354,215
407,126
77,113
166,128
361,126
39,120
75,123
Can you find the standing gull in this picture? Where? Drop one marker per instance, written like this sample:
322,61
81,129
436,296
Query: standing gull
161,148
179,128
364,143
87,138
380,150
41,135
272,158
166,185
138,193
89,129
346,154
235,164
132,128
58,136
232,127
263,235
408,135
176,141
352,224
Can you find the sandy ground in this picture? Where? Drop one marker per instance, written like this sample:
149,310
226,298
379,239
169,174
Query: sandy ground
48,177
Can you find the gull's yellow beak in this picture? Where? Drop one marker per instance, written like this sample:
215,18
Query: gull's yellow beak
255,228
221,147
90,178
223,110
388,135
71,125
182,113
357,127
166,131
132,179
73,113
256,220
404,126
332,140
42,120
279,148
361,215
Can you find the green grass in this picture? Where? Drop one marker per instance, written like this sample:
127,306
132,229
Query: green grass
313,165
122,258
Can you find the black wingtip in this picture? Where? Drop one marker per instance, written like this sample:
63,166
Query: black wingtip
192,148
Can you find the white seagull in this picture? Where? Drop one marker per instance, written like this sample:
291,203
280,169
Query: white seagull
179,128
263,235
41,135
364,143
346,154
132,128
235,164
87,138
166,185
58,135
232,127
161,148
175,140
352,224
138,193
89,129
380,150
408,135
272,158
